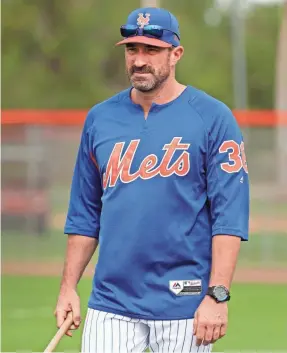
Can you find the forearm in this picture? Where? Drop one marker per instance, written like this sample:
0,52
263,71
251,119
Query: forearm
225,250
80,250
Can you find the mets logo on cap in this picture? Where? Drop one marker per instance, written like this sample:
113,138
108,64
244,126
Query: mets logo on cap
143,20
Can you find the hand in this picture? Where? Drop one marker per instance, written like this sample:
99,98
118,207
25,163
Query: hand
68,300
210,321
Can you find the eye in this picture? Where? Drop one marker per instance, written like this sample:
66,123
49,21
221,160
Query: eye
131,49
152,50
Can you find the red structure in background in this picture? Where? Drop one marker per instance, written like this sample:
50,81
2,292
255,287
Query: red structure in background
245,118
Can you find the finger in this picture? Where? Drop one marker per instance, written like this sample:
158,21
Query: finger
195,324
223,330
69,333
216,333
61,316
208,334
200,333
76,312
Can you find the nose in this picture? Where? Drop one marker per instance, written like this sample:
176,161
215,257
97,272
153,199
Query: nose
140,60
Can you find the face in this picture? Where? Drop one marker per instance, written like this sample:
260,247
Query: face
148,67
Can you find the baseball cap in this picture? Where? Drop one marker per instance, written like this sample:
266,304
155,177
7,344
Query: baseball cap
151,26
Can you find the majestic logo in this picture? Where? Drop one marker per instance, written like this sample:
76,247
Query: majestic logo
190,287
143,21
119,166
176,285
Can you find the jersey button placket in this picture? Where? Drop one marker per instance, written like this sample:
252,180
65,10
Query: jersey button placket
152,110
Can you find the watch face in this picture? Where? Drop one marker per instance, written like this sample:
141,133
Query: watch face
220,293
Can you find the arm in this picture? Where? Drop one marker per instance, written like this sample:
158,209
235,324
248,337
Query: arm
225,250
80,250
78,254
82,226
228,196
211,318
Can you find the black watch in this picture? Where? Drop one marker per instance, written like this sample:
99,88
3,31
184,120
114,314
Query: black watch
219,293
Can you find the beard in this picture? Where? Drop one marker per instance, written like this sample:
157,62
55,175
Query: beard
150,82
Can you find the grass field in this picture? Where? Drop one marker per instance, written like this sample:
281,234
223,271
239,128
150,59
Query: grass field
256,312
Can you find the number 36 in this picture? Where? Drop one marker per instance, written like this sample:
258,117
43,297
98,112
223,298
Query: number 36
236,154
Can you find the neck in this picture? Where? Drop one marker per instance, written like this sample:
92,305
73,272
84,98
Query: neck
167,92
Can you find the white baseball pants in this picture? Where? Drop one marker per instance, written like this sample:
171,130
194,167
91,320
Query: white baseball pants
109,333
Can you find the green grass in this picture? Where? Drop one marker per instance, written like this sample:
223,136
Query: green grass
257,319
264,250
49,247
23,247
27,313
269,208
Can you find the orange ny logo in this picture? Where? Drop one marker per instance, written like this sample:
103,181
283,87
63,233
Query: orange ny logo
143,21
119,166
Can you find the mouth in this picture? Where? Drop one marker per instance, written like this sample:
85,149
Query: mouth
141,73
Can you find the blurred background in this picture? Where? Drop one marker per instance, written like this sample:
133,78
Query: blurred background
58,60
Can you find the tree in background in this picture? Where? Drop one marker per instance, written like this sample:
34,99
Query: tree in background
281,103
61,54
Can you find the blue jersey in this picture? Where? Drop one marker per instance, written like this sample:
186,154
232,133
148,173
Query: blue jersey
155,192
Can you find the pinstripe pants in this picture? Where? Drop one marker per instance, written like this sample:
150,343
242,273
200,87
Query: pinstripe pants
109,333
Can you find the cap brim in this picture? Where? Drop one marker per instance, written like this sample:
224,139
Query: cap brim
145,40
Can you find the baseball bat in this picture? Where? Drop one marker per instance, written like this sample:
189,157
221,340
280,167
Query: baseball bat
60,333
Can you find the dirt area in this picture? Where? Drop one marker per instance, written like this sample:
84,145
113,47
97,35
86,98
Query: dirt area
242,275
268,224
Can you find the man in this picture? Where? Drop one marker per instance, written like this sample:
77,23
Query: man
161,183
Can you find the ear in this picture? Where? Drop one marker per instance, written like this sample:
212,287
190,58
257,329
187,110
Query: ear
176,54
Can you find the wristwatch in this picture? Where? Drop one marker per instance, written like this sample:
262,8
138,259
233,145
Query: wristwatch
219,293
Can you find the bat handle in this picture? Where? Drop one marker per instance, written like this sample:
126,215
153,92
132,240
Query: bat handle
60,333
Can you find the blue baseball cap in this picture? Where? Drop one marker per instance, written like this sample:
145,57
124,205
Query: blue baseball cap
152,26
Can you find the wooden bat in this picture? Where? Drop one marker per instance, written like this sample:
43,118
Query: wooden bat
60,333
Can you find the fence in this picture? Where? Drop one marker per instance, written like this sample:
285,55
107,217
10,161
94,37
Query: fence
38,156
